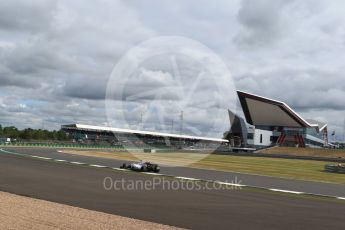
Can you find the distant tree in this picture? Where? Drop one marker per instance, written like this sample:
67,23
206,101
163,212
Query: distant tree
32,134
11,132
26,134
61,136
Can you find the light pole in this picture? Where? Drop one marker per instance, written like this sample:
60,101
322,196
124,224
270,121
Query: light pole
181,128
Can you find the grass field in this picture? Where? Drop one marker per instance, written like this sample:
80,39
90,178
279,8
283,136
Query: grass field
333,153
285,168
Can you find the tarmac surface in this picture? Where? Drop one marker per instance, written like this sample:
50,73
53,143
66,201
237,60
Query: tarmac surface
82,186
328,189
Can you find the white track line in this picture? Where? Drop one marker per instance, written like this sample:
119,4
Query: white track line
156,174
59,160
231,184
120,169
186,178
98,166
286,191
341,198
77,163
44,158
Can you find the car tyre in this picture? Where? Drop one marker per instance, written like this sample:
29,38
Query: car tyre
155,169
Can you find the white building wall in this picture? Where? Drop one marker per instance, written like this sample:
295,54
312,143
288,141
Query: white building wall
262,137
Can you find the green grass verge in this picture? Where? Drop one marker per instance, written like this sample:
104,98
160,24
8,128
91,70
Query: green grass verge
286,168
332,153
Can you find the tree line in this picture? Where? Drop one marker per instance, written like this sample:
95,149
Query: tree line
32,134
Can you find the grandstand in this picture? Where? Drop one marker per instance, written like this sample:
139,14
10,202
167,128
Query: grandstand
97,135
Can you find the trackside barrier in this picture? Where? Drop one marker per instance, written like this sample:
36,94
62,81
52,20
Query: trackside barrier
61,145
76,146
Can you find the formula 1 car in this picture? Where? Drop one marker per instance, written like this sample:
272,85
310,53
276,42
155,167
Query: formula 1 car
141,167
335,168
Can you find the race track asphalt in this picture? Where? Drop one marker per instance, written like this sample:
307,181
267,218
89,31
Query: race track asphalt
328,189
82,186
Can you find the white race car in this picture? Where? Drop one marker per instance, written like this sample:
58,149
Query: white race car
141,167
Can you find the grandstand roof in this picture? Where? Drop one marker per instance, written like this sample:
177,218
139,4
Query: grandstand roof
262,111
131,131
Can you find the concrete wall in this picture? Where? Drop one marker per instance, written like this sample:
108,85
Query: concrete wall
266,137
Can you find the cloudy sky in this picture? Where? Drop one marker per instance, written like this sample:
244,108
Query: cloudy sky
57,59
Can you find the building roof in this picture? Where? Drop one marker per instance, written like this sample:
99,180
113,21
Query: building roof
131,131
318,124
262,111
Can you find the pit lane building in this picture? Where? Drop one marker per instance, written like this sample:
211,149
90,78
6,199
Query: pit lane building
270,122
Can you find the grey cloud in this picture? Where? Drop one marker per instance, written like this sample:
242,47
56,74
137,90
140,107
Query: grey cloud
301,88
7,79
62,53
261,21
26,16
85,87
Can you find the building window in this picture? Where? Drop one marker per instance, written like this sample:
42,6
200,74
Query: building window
250,136
260,138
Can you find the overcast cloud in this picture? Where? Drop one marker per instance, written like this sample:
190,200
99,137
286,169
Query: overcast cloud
56,57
